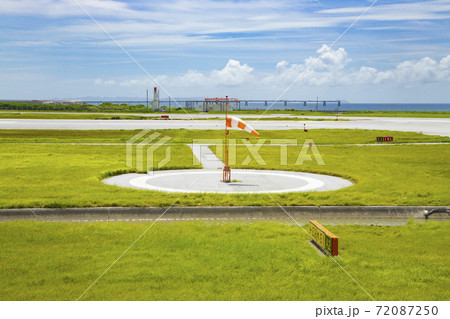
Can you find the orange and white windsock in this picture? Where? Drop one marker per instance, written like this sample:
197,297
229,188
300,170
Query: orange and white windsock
235,122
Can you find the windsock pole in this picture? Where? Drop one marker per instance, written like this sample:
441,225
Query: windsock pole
226,169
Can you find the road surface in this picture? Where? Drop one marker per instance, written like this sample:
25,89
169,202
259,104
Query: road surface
431,126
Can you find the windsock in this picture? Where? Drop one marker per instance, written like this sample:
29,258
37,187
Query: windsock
235,122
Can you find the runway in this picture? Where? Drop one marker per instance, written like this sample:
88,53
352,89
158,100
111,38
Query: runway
430,126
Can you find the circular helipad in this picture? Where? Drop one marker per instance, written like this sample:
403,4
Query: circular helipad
242,181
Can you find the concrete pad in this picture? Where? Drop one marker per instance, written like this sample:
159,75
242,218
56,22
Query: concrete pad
245,181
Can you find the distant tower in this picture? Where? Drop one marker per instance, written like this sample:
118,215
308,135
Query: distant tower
155,102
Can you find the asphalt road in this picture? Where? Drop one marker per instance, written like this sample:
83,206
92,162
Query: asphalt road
431,126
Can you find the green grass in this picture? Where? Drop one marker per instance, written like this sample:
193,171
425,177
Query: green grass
52,175
106,107
320,136
193,261
384,175
73,116
69,176
90,116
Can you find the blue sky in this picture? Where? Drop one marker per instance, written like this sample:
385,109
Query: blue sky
398,52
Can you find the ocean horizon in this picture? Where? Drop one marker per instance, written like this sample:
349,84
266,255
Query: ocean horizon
331,106
282,105
431,107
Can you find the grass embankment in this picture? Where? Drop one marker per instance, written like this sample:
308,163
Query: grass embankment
193,261
52,175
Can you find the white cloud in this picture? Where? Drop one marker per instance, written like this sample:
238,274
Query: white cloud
177,23
282,65
319,70
422,10
406,73
232,74
331,68
328,59
67,8
332,71
101,82
445,63
134,83
192,79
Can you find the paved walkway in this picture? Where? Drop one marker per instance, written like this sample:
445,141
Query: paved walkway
206,157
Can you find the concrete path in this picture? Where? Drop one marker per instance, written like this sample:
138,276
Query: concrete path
424,125
206,157
377,215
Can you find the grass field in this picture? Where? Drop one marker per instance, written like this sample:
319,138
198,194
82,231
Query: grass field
193,261
106,107
90,116
53,175
215,261
183,136
73,116
390,175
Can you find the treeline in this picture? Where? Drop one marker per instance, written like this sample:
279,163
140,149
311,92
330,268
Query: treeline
104,107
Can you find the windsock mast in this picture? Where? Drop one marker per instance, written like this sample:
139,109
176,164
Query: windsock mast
233,122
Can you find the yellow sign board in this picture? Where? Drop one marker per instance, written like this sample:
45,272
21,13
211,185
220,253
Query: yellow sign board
323,237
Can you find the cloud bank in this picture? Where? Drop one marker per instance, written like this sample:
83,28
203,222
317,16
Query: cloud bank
330,68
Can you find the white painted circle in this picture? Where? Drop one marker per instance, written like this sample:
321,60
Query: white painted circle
145,182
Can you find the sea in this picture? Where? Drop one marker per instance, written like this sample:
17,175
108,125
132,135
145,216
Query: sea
329,107
432,107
